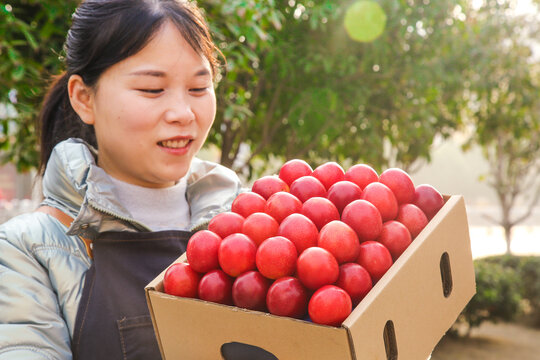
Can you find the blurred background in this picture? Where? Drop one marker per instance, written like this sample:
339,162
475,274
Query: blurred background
448,90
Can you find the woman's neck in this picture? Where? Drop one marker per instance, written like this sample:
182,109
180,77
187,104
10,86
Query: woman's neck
159,209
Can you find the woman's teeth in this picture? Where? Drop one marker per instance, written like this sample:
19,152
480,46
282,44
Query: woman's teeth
174,144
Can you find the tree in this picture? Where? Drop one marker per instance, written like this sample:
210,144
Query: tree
295,84
316,94
31,36
505,109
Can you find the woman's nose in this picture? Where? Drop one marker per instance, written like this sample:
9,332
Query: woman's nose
180,111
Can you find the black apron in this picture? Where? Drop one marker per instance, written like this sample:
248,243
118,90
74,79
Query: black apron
113,321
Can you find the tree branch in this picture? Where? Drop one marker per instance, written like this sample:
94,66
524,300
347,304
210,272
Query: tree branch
314,141
268,134
491,219
530,207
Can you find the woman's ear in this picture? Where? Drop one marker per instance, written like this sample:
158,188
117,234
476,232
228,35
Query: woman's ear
81,98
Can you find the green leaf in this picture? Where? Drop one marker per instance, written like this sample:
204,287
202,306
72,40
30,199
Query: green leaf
18,73
13,55
29,37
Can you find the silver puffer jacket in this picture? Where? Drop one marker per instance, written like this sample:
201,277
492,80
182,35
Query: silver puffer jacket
42,264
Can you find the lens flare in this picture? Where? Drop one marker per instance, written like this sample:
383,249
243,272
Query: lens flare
365,21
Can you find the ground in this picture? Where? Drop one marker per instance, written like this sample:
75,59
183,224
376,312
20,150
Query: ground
501,341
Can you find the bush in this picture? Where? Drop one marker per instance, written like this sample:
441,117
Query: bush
497,295
528,271
506,287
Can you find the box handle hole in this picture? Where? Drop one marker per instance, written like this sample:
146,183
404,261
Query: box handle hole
240,351
390,344
446,274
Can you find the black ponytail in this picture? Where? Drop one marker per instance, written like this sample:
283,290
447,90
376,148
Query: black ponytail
103,33
57,120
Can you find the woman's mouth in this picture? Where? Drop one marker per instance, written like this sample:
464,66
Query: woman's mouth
175,144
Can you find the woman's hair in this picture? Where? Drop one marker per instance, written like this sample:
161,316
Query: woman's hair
103,33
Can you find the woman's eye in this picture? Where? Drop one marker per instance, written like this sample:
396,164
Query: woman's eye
198,90
151,91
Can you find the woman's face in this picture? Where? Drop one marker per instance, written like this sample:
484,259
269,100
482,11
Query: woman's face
152,111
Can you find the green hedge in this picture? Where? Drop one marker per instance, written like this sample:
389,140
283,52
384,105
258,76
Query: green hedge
507,288
528,270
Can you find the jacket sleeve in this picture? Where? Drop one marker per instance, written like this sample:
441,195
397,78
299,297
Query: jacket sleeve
31,322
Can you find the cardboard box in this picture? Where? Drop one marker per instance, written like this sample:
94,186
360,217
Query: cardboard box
403,317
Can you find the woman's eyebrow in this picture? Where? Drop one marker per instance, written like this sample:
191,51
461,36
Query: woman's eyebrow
202,72
155,73
161,74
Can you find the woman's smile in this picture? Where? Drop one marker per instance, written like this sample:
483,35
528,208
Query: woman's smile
176,146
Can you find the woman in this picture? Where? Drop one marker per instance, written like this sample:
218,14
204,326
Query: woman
119,133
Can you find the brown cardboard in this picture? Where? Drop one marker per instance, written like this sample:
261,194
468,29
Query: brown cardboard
411,292
409,301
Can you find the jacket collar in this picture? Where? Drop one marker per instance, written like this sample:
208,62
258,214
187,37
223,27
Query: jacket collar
74,183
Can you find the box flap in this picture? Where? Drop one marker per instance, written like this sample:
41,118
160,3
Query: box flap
410,301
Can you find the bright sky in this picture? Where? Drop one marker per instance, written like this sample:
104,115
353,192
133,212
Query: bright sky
521,7
527,7
524,7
